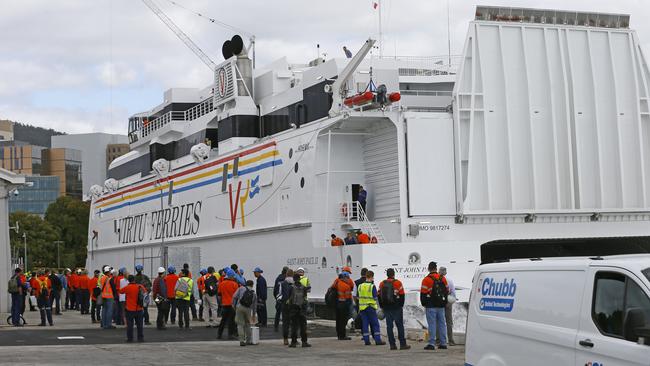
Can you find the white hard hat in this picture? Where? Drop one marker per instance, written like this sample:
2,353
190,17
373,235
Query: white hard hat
300,269
451,299
106,269
161,269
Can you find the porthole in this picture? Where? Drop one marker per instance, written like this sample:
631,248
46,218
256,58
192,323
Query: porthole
295,167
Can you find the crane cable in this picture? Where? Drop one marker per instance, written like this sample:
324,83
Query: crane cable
211,20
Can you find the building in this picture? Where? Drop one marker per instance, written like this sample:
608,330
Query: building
114,151
6,130
36,195
20,157
95,153
67,165
8,182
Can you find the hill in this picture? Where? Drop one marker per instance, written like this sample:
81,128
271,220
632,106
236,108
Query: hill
34,135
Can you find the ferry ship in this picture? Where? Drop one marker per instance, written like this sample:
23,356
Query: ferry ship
541,129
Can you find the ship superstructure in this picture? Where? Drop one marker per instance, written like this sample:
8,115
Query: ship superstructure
539,130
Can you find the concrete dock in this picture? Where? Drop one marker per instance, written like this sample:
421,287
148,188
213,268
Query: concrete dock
74,340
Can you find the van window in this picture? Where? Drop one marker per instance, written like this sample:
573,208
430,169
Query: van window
646,272
619,306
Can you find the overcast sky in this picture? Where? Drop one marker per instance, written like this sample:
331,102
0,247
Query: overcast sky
87,65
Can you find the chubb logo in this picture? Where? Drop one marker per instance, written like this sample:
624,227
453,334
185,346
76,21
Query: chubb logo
498,295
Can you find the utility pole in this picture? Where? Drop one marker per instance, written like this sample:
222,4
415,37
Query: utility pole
25,243
58,258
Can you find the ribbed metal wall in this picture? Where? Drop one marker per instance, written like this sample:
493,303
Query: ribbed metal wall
380,157
552,119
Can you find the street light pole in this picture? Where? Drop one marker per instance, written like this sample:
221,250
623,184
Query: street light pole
58,258
25,243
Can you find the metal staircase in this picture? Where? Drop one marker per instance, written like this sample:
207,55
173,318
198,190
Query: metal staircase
352,211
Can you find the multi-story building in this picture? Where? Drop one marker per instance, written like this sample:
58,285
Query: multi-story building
36,195
114,151
6,130
94,148
67,165
20,157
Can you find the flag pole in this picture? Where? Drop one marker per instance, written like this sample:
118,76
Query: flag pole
381,34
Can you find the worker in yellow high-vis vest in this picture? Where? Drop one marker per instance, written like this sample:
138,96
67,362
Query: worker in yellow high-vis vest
367,294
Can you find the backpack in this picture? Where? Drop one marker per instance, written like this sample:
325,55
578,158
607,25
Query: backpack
247,298
388,294
438,293
182,288
141,294
56,282
331,297
211,285
45,293
12,286
297,297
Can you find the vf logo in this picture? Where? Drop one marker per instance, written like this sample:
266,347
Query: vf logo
221,82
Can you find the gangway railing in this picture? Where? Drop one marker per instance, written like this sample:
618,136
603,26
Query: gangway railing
353,211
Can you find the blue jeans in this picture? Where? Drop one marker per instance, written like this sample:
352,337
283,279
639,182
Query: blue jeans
107,313
395,316
369,318
16,308
136,317
436,321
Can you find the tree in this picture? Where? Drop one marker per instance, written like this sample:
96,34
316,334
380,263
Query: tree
70,217
41,238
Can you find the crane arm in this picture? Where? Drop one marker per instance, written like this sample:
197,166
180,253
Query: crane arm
338,86
180,34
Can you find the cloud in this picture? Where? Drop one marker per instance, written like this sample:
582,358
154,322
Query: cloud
118,57
115,74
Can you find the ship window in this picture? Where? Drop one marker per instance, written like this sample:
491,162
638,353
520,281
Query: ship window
224,178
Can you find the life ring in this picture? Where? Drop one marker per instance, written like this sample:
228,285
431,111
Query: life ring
344,209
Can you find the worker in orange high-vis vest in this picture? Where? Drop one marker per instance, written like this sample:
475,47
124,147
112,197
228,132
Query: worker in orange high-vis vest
43,293
170,282
95,291
344,287
200,283
73,283
108,297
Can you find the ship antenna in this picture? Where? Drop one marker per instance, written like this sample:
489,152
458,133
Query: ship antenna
448,35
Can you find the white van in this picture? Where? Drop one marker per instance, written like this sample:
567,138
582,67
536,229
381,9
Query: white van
561,311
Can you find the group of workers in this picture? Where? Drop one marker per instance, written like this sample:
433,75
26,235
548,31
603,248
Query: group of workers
353,237
50,291
361,299
118,297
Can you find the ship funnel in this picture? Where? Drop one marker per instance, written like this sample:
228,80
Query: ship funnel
235,47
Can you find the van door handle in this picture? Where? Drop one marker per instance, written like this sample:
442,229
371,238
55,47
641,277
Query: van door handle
586,343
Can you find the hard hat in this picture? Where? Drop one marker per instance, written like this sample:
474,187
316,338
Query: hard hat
106,269
300,269
123,269
451,299
258,270
139,267
230,272
203,271
241,271
78,270
347,269
161,269
171,269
